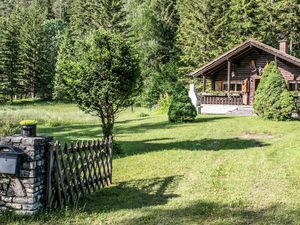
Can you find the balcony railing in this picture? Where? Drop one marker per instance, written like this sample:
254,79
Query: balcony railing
221,99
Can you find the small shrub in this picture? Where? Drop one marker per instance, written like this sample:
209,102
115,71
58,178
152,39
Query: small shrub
54,123
8,128
181,108
272,99
142,115
28,123
164,104
3,99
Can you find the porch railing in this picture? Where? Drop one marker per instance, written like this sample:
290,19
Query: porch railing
225,99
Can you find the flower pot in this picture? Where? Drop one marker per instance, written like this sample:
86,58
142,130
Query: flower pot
28,130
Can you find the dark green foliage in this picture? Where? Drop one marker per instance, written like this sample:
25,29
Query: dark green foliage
33,45
66,53
202,31
89,15
211,27
181,108
172,37
154,25
101,76
54,30
272,99
10,67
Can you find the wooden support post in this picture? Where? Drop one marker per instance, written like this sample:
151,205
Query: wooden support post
228,75
204,84
49,177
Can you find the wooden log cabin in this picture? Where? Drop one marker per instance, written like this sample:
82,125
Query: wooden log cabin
236,74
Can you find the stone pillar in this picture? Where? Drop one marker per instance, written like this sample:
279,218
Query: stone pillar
25,194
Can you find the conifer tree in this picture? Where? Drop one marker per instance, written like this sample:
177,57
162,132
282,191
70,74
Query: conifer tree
111,16
88,16
62,9
33,51
10,84
65,55
154,25
202,31
181,108
272,99
54,30
244,21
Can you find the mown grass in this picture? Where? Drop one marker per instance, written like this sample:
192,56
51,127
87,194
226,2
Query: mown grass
217,170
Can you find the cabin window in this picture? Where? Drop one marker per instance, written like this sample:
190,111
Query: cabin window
234,86
294,85
239,87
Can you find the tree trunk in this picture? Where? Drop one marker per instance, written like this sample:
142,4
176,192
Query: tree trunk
107,130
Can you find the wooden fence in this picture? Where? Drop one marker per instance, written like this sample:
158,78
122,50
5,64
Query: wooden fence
76,170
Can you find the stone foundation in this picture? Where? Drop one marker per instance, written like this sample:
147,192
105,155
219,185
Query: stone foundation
25,192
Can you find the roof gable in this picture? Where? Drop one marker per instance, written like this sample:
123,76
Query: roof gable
244,47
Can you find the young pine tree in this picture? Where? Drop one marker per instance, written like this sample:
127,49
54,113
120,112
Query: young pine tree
272,99
181,108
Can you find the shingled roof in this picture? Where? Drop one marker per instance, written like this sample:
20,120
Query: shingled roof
244,47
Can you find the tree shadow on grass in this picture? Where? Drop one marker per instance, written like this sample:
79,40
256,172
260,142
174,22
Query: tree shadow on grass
146,126
131,195
205,212
207,144
76,132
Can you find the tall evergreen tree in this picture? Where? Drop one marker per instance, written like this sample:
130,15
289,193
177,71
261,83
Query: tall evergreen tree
33,48
62,9
10,54
244,21
66,54
154,25
203,31
88,16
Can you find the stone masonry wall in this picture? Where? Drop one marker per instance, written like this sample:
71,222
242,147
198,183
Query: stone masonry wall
25,194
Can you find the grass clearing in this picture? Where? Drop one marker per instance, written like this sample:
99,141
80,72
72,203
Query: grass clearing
217,170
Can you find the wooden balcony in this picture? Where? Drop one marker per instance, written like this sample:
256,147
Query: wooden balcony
221,99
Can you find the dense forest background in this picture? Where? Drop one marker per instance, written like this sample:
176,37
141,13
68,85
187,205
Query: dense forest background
171,38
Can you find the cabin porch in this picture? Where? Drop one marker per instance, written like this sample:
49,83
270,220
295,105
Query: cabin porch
220,103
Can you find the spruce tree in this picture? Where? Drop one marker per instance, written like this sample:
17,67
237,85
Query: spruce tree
181,108
272,99
10,84
33,51
244,19
65,55
203,31
154,24
88,16
54,30
111,16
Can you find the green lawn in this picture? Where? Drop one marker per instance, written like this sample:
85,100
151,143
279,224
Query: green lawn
217,170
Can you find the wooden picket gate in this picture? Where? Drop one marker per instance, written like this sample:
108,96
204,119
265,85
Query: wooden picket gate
76,170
